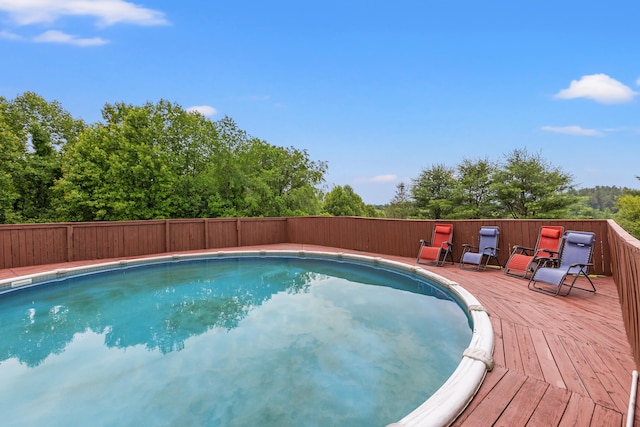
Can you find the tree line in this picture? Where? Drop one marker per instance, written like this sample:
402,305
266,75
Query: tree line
144,162
160,161
523,186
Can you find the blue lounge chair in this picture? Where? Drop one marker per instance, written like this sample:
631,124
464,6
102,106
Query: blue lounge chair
487,249
574,260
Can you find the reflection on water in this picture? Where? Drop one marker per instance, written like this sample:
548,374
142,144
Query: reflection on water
227,342
159,306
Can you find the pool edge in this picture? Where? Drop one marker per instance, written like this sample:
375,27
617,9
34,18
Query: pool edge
441,409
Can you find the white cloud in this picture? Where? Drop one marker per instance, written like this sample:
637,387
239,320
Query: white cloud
107,12
379,179
54,36
572,130
8,35
205,110
600,88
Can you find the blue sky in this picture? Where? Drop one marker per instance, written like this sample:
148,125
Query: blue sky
380,90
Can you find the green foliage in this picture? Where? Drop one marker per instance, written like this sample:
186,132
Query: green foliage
433,191
343,201
602,198
11,166
34,132
583,208
251,177
526,186
402,205
474,195
158,161
628,216
139,164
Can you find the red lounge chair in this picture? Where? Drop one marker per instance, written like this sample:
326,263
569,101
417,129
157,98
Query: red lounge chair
436,251
523,260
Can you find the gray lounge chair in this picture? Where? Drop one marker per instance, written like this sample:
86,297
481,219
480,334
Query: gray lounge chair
574,260
486,250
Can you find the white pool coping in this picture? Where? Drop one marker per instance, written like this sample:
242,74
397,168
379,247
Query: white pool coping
441,409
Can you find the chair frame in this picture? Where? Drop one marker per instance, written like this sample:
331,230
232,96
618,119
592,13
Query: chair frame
534,254
487,257
575,269
445,249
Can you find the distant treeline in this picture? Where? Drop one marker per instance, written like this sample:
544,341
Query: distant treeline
160,161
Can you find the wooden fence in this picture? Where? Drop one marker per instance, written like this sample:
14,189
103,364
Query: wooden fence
37,244
616,252
402,237
625,250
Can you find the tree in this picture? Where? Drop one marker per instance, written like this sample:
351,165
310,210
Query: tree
629,212
474,196
529,187
12,157
142,163
433,191
38,132
281,180
401,206
602,198
343,201
254,178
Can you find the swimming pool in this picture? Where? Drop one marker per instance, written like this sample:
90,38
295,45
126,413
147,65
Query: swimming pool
309,338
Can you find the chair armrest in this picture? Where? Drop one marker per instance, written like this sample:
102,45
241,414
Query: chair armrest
469,246
523,249
544,261
579,264
550,252
425,242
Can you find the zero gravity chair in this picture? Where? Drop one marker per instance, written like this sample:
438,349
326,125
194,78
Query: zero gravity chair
523,260
486,250
574,261
436,251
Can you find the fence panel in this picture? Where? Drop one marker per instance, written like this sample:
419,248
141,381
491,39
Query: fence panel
32,244
261,231
25,245
222,233
625,250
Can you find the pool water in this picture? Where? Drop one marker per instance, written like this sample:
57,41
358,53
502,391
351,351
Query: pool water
245,341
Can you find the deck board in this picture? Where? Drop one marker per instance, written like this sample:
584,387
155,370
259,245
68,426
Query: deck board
579,411
523,404
551,407
528,355
589,378
494,403
559,361
550,371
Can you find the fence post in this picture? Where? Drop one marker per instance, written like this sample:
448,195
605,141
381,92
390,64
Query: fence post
167,236
70,254
238,232
205,222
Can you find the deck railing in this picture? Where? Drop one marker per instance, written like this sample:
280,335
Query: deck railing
625,250
616,252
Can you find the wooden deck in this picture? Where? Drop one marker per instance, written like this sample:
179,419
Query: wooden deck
559,361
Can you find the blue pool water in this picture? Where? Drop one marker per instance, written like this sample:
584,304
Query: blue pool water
244,341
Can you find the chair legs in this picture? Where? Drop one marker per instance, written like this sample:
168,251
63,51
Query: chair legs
545,290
